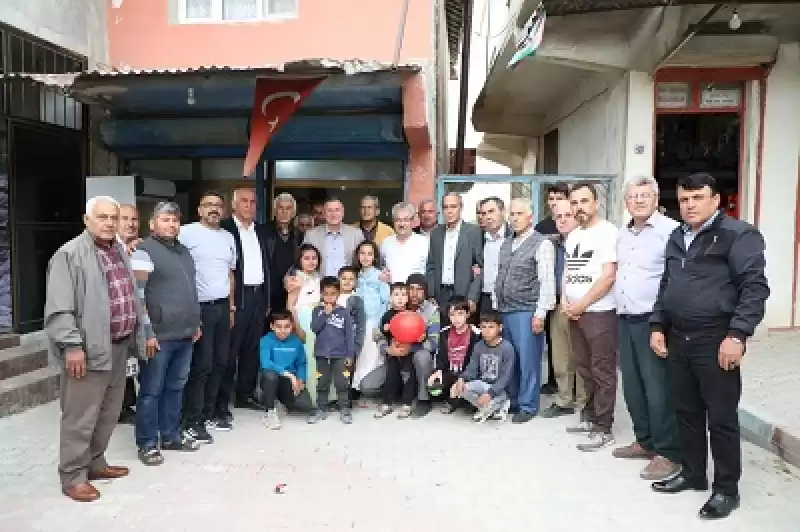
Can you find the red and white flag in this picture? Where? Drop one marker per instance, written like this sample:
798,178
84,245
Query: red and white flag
275,101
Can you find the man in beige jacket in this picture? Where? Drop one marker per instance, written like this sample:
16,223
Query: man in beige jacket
93,321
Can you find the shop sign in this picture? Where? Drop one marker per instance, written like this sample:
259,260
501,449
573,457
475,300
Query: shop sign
713,97
672,95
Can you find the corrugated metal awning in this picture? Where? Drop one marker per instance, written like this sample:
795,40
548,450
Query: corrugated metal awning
92,84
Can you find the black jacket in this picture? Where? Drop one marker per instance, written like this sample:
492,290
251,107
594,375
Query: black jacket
718,282
441,362
266,258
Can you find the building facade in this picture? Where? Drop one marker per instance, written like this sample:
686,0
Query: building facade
663,91
43,145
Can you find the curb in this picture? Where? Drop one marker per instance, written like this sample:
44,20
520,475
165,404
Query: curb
757,430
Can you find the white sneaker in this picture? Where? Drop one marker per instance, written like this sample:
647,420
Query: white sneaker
272,420
501,414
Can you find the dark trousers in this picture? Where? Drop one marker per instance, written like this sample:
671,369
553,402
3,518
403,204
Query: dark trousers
707,399
332,369
129,399
401,379
279,387
551,373
645,386
445,294
448,380
594,345
243,364
209,362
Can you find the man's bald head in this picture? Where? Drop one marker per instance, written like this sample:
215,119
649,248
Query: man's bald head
244,204
562,215
128,222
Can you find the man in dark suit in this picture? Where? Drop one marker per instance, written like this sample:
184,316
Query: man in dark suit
455,257
283,240
252,299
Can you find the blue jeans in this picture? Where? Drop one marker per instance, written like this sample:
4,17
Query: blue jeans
161,381
517,329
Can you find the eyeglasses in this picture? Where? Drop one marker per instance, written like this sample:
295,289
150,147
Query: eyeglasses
640,195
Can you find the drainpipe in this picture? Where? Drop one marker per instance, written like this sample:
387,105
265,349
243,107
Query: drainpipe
463,95
690,32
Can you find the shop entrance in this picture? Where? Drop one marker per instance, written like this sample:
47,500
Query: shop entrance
698,142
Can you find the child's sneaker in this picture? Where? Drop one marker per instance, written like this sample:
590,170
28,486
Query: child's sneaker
383,411
483,414
272,420
316,416
346,416
501,414
404,412
448,409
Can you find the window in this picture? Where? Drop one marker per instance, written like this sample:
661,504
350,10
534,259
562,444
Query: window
194,11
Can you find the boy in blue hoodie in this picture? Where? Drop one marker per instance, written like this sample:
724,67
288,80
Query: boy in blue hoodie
283,369
334,351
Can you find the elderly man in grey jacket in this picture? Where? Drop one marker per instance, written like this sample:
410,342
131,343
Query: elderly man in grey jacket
526,292
93,321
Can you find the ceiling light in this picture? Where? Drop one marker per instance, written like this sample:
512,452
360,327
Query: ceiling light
735,22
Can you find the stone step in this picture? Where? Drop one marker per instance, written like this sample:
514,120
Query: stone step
9,340
28,390
18,360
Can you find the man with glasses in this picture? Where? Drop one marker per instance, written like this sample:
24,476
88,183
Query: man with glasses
640,250
405,252
166,281
214,252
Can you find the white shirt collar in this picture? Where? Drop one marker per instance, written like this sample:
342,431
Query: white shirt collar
456,229
241,226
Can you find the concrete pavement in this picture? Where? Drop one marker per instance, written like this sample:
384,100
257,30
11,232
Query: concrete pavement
770,392
436,474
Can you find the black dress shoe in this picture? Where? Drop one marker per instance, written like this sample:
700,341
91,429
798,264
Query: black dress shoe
678,484
719,506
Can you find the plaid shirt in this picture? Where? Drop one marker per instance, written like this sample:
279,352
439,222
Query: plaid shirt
120,292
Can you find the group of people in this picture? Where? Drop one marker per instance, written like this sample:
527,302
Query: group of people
225,312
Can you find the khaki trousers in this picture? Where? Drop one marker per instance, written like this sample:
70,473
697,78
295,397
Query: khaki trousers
571,392
90,409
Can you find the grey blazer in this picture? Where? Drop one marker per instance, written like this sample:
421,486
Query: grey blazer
469,252
352,238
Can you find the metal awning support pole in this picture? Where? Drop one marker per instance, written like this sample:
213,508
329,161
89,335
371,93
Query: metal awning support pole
463,94
262,202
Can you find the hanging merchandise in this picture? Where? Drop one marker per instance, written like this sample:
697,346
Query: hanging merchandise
529,38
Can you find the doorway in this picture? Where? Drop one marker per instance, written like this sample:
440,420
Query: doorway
698,142
47,190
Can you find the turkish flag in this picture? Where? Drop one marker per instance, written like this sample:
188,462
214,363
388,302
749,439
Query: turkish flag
275,101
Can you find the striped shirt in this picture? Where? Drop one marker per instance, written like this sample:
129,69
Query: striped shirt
120,292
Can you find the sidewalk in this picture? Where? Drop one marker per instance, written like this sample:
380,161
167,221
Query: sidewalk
769,413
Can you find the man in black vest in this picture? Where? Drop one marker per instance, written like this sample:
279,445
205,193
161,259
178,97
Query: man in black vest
165,276
712,297
251,302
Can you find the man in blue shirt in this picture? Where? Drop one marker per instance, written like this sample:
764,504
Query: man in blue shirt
283,369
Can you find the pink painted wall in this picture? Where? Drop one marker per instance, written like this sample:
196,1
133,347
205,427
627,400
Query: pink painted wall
145,34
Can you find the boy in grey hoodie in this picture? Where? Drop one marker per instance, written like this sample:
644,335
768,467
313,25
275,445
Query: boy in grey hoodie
484,383
334,351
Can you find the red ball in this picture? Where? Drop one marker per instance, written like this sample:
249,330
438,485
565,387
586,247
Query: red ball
407,327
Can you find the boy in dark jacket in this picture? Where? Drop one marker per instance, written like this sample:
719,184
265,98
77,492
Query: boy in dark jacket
456,343
334,351
485,381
